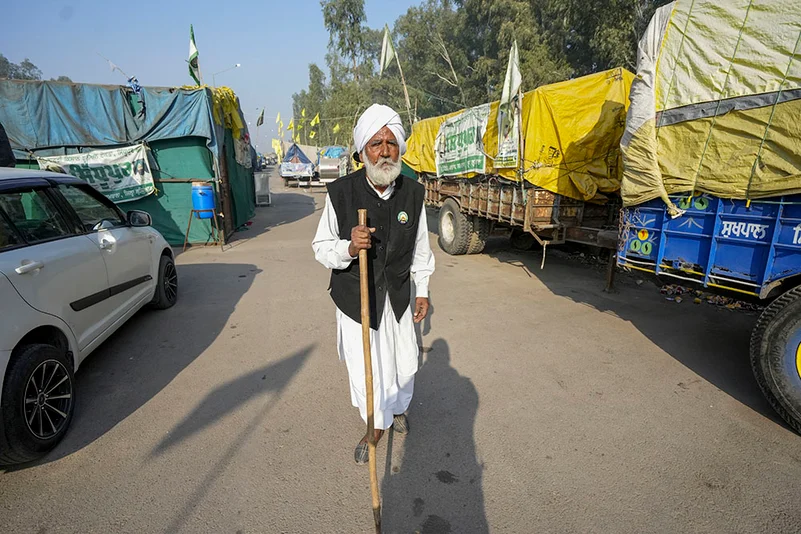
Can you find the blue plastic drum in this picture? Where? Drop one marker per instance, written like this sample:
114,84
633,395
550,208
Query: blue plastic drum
203,199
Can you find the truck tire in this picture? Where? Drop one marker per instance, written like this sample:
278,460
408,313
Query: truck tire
776,356
478,236
37,405
455,229
521,240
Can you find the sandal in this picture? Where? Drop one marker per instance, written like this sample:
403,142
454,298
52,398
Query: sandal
361,454
400,423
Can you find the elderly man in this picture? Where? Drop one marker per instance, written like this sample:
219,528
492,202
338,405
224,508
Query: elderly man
396,239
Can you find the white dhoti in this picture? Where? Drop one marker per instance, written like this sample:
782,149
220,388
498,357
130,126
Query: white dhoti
394,354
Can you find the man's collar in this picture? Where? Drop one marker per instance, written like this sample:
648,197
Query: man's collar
390,187
387,192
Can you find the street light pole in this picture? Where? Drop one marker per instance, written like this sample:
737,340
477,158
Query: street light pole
214,80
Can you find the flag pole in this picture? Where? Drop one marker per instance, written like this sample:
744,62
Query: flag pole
112,65
405,91
520,143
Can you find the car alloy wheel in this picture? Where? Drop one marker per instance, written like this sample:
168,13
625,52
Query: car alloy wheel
48,399
170,282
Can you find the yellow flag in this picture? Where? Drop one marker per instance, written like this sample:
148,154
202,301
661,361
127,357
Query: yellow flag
297,138
299,126
278,118
315,121
291,124
303,113
280,126
312,134
336,128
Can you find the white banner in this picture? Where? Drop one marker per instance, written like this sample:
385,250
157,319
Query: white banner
122,174
509,113
508,137
460,142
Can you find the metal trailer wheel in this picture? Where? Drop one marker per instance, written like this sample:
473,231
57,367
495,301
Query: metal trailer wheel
776,356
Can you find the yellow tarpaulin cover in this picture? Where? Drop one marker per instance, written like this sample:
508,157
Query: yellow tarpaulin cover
571,132
716,104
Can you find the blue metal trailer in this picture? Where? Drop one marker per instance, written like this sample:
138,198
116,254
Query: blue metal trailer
751,248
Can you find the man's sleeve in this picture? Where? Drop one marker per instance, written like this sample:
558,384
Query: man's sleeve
328,248
423,260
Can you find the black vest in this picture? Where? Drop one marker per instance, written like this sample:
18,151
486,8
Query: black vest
395,221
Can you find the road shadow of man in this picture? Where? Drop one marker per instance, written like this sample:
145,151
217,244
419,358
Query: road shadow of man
437,487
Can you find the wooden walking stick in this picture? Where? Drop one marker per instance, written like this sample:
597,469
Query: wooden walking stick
368,378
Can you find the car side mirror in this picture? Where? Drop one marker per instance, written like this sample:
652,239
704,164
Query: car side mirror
139,218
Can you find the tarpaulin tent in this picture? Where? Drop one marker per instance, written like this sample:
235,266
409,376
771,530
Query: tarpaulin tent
571,132
296,163
194,134
295,152
716,104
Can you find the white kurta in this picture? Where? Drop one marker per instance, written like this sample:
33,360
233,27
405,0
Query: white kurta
394,345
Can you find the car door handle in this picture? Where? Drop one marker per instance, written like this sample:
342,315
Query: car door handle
31,266
105,244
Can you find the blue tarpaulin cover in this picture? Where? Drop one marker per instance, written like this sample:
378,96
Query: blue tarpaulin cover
45,117
293,151
333,152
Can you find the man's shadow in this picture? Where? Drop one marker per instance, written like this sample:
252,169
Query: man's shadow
437,487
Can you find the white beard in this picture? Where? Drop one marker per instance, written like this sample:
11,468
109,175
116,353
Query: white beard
384,172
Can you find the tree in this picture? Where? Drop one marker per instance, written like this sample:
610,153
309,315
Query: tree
5,67
344,20
429,45
496,26
454,53
596,34
25,70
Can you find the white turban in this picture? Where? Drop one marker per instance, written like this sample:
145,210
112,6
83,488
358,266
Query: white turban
372,120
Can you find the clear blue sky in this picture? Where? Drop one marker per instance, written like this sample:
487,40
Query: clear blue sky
273,40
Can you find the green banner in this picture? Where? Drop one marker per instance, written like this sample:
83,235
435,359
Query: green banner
460,145
122,174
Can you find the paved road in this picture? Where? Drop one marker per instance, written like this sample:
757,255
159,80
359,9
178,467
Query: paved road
543,405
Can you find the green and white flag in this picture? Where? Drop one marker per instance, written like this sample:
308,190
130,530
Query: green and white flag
194,66
260,120
508,114
387,52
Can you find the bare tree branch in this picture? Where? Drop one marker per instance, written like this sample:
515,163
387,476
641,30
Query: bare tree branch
447,57
444,79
